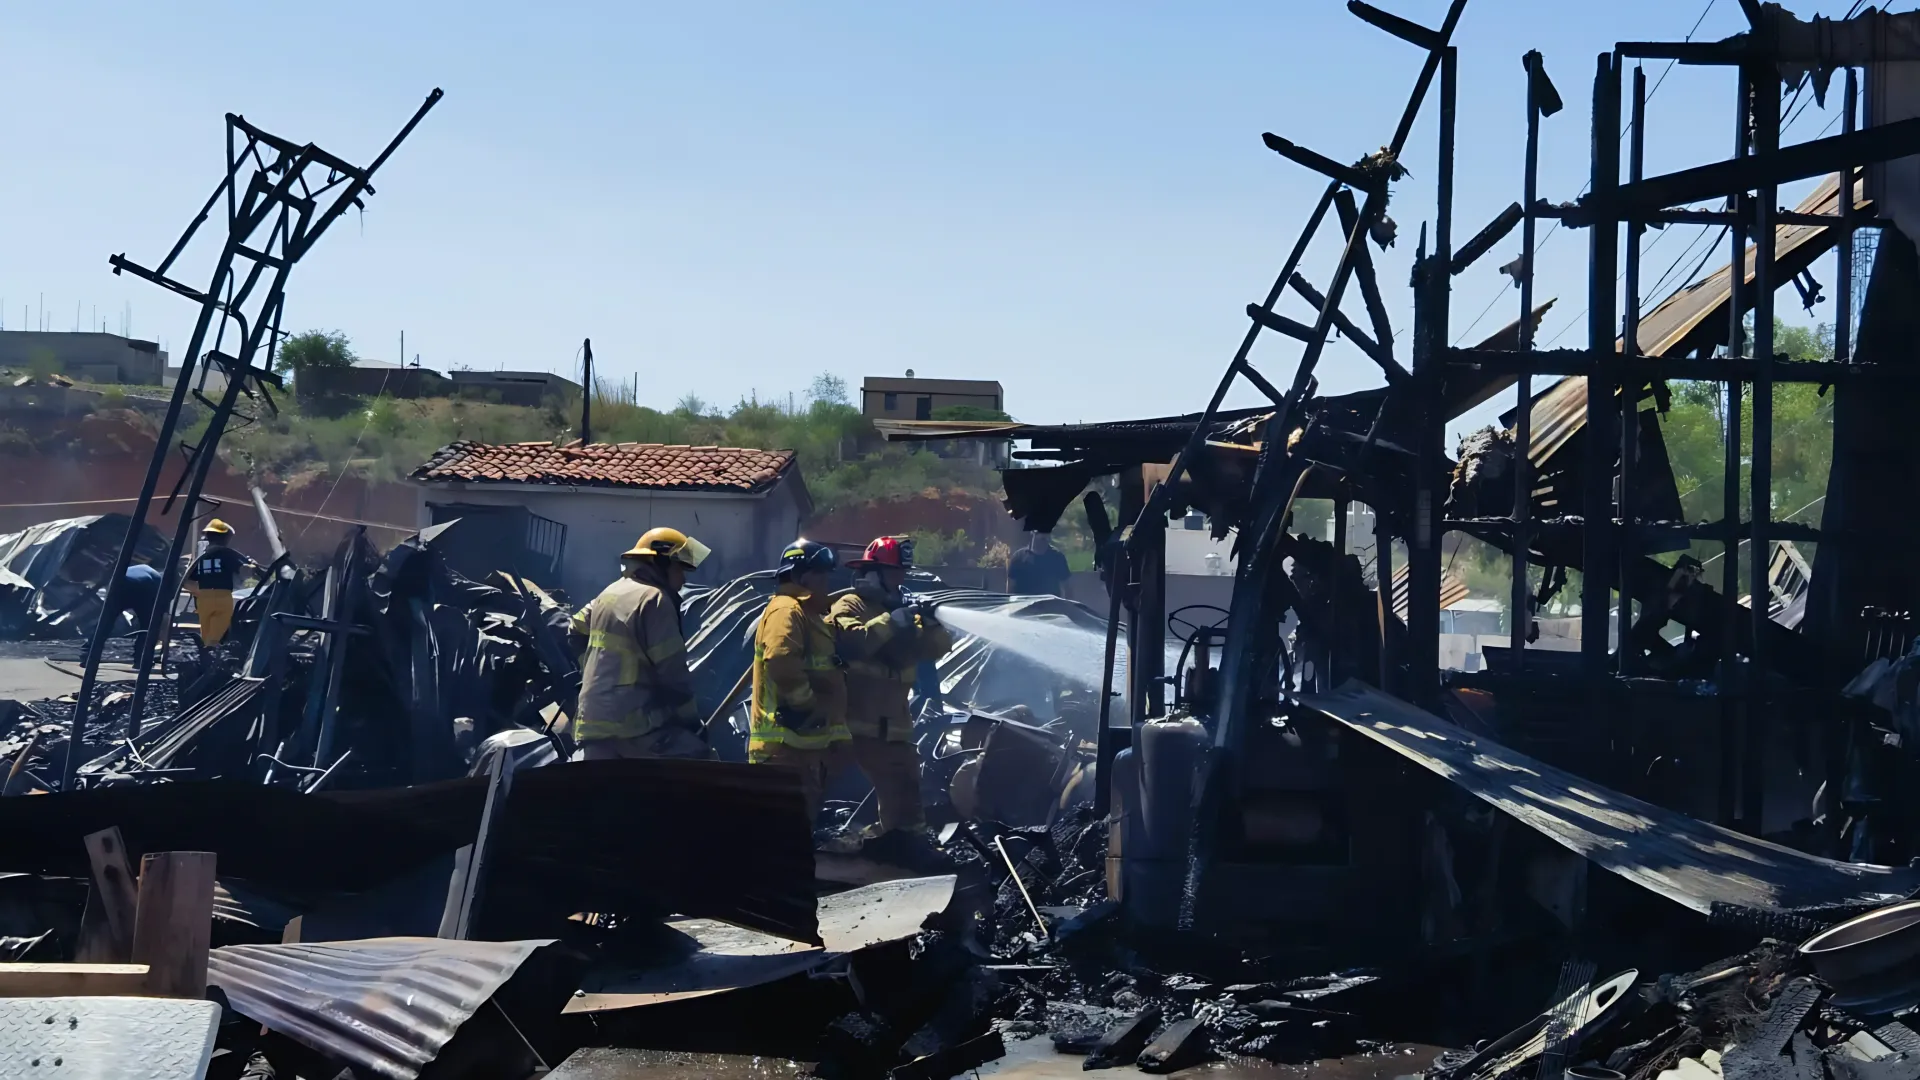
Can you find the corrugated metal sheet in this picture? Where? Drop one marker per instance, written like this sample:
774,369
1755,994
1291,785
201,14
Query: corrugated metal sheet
730,957
1453,589
1681,858
1690,318
385,1006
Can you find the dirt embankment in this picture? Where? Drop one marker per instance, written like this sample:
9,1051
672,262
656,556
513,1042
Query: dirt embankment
56,462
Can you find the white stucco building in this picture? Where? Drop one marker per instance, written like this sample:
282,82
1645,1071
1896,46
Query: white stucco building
561,515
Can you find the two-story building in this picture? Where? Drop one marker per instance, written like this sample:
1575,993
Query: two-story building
921,404
910,398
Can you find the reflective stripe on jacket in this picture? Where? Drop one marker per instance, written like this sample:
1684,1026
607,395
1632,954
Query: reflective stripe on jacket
881,663
796,670
634,679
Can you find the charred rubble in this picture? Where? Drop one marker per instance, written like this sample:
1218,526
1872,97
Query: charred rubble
1682,849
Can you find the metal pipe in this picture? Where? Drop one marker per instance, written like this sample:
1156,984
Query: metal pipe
1630,384
1021,885
1523,385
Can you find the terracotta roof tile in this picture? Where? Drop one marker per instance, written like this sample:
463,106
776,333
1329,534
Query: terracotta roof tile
622,465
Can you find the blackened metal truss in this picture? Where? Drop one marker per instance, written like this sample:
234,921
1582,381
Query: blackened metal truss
281,196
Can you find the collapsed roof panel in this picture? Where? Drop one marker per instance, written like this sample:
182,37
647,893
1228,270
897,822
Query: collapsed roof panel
1679,857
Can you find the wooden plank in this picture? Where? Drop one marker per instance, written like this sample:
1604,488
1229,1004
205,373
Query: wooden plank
173,923
95,943
72,980
113,884
471,863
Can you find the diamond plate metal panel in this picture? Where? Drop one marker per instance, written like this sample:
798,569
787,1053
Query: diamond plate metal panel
106,1038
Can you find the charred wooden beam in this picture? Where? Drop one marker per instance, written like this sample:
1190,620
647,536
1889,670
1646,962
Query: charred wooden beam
1405,29
1363,273
1734,50
1378,353
1320,163
1483,241
1564,362
1279,323
1783,166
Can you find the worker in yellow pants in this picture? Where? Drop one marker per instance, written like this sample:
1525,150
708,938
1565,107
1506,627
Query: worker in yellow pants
211,578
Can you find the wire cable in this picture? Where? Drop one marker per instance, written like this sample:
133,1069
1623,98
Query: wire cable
1625,132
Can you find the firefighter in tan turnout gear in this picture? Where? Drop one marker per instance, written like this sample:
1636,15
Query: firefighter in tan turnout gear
884,639
636,694
799,712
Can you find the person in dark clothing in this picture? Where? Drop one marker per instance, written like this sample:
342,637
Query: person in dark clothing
139,588
1038,569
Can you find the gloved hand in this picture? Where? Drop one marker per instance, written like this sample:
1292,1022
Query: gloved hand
902,617
797,720
925,612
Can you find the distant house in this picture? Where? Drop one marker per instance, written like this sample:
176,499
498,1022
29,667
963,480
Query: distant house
563,514
920,399
897,403
86,356
373,378
532,388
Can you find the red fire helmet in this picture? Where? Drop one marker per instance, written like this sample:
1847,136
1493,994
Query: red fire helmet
886,551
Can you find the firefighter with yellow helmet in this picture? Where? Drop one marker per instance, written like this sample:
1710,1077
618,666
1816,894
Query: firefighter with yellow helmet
636,693
211,578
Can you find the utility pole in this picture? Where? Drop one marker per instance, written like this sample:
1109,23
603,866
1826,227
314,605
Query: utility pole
586,391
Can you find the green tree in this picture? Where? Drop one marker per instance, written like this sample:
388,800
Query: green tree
313,350
828,389
1802,454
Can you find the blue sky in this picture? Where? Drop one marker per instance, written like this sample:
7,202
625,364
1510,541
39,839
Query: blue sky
728,199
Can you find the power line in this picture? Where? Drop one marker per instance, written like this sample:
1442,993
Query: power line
1542,243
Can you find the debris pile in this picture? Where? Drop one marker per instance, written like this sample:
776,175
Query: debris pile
51,573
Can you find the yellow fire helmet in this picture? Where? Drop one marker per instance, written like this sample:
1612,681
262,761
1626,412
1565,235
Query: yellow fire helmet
216,527
671,544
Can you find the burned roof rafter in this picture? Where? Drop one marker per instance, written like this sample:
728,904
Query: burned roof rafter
1803,161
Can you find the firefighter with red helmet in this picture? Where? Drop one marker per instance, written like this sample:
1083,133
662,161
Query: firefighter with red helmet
883,639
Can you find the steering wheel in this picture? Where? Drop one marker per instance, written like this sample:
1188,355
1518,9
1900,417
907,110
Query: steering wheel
1176,619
